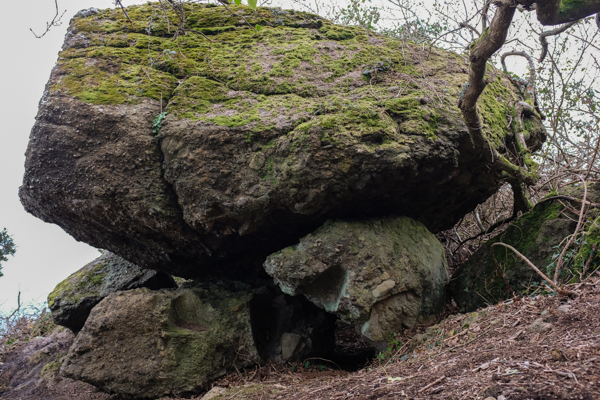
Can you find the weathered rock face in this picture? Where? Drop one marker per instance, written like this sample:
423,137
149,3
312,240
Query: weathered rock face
479,281
382,275
148,344
30,372
73,299
266,136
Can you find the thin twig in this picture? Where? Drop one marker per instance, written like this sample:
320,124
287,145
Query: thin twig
553,32
554,285
56,21
441,378
118,2
560,260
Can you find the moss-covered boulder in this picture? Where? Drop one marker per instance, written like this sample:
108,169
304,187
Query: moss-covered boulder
383,276
203,154
73,299
540,236
148,344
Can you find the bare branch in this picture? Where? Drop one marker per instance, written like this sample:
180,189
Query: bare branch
491,40
520,107
530,89
560,260
553,284
484,12
238,15
553,32
56,21
118,3
593,159
471,28
549,11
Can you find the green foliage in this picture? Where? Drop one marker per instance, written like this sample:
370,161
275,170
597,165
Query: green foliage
7,247
393,345
157,123
581,259
361,13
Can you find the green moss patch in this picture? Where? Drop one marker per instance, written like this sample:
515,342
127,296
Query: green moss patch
86,282
297,63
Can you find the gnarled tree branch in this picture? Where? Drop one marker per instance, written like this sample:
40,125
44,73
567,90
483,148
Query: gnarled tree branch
555,12
490,41
553,32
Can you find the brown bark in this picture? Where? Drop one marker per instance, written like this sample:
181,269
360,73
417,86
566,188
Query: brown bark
555,12
490,41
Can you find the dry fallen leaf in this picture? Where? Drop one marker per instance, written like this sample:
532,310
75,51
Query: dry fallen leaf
557,355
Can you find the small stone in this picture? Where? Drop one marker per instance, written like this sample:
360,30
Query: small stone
501,397
214,392
257,161
544,313
557,355
420,338
490,398
289,344
565,308
539,326
383,288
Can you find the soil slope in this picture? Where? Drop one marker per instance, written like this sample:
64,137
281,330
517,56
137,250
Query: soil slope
534,348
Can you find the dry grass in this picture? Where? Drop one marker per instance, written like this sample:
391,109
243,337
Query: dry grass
20,325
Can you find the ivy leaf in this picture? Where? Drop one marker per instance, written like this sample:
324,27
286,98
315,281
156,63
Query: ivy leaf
252,4
258,27
238,2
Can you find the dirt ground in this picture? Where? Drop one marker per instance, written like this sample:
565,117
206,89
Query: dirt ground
535,348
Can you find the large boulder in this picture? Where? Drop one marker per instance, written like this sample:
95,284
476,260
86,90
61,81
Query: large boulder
267,135
381,275
147,344
487,278
73,299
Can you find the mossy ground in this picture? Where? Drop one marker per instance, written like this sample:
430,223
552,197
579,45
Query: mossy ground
298,62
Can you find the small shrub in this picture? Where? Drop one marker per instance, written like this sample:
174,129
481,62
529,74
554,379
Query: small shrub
23,324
